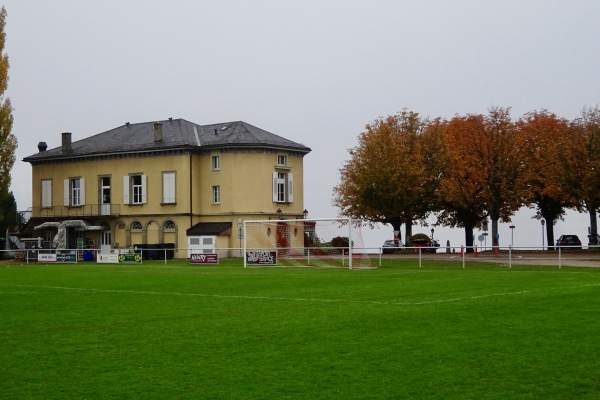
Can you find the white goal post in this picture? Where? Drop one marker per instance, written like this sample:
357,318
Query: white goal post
324,242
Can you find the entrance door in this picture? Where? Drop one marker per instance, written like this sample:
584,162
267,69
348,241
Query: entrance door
283,238
105,195
105,247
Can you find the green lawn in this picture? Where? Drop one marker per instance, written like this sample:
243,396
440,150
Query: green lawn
176,331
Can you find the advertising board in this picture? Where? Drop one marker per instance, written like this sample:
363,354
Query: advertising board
45,257
261,257
205,258
108,258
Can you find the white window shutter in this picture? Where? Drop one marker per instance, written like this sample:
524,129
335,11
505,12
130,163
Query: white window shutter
290,187
144,198
126,190
66,193
166,185
169,187
82,191
46,193
275,198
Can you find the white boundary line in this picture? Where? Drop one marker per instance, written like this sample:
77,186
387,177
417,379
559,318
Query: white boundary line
456,299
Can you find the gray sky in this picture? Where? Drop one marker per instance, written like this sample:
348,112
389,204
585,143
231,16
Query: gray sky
312,71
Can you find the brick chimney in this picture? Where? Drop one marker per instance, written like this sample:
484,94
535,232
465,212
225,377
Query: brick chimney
158,133
66,142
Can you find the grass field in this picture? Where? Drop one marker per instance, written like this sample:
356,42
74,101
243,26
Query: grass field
155,331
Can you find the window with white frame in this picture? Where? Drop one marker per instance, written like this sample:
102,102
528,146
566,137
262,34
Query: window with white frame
74,192
134,189
283,187
46,193
216,194
168,188
281,160
216,163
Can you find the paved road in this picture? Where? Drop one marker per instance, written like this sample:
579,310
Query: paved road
551,258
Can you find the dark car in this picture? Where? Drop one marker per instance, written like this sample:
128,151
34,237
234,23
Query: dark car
390,246
569,241
430,244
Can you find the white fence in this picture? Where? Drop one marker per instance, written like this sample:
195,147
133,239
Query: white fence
508,256
589,256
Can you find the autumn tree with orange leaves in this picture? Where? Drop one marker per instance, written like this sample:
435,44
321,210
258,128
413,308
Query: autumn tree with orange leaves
541,135
471,168
8,141
482,175
460,193
579,161
385,180
504,169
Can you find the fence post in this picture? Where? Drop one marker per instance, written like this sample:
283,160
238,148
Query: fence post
559,257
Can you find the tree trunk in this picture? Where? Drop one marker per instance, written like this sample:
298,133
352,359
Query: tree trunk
396,225
495,236
408,234
593,227
469,238
550,233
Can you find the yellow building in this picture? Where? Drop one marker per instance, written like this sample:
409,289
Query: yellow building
167,184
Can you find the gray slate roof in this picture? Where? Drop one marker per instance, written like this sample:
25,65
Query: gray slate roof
177,133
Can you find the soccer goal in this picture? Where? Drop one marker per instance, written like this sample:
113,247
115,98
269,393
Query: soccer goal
329,242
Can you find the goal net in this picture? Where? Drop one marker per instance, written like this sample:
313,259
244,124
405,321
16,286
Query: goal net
305,242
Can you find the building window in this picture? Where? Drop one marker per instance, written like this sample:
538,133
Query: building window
283,187
46,193
134,189
47,236
104,183
136,226
169,225
74,192
168,188
216,163
216,194
282,160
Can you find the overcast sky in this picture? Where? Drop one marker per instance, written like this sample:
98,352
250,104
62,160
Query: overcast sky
312,71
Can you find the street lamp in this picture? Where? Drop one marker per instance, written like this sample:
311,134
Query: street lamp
432,230
279,213
512,230
305,213
543,221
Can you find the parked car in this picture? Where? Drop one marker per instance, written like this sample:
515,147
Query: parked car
569,241
390,246
431,244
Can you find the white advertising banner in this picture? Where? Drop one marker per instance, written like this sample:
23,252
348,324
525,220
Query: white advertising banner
44,257
108,258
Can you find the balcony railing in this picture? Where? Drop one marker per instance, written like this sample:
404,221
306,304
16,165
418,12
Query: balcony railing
87,210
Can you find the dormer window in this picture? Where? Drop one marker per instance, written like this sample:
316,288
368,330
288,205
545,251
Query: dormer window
215,163
282,160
